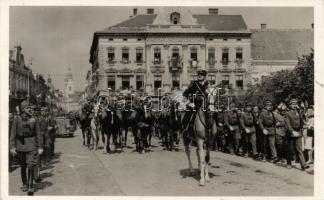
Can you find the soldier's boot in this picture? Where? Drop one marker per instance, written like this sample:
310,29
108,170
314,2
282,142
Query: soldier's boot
30,182
24,188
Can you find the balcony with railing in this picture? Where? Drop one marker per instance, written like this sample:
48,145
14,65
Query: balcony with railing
193,63
211,62
225,62
111,62
125,61
239,61
157,61
175,64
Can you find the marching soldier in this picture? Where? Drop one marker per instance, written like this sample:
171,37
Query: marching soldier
248,128
51,132
44,124
280,113
232,125
221,130
294,124
196,94
26,142
267,124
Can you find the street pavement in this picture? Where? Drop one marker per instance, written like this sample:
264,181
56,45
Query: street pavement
79,171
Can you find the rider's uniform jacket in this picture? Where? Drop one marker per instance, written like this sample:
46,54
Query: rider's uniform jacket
196,92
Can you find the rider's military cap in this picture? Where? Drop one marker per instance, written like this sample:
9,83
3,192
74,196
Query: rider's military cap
202,72
293,100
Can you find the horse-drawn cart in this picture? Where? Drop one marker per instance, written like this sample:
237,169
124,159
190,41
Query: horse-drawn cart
66,126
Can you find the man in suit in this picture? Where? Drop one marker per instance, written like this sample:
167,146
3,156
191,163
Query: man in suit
294,125
26,142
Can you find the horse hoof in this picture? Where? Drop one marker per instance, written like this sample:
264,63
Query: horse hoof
202,182
207,178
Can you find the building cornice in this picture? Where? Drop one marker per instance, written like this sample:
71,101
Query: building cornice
274,62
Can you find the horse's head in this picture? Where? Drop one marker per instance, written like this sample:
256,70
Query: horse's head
211,98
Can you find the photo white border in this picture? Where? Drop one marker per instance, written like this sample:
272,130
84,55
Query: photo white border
319,80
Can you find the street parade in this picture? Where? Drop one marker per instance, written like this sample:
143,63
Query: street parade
274,133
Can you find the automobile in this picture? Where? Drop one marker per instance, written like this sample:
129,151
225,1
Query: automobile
65,126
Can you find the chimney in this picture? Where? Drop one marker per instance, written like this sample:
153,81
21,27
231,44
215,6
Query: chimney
134,11
312,25
150,11
263,26
213,11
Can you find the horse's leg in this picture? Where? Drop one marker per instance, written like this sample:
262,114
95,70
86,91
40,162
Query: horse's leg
207,159
88,136
171,132
97,138
186,142
83,136
103,139
150,138
201,154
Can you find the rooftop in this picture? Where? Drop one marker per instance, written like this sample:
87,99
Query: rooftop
281,44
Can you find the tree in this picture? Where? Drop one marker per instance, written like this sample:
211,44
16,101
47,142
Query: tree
285,84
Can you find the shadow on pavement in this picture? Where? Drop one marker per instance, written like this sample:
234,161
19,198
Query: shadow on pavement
185,173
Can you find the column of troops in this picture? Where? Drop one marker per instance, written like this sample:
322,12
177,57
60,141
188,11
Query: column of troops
274,134
32,142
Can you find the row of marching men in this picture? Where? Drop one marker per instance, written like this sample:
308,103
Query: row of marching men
32,142
274,134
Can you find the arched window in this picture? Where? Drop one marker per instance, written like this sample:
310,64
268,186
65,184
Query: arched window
175,18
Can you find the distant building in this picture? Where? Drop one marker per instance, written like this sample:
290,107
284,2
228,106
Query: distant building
68,83
278,49
23,83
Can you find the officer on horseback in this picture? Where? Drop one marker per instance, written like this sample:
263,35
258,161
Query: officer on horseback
196,95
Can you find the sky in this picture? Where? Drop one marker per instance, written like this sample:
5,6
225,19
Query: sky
57,38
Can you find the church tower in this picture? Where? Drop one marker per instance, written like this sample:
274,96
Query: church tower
69,88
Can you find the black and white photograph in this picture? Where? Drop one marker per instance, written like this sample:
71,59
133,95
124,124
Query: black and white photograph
162,101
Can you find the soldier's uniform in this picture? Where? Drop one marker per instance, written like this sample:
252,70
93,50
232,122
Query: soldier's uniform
294,125
232,125
258,132
52,127
267,123
248,128
280,134
221,130
196,93
26,139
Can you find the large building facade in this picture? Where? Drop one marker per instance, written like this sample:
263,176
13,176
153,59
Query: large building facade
164,48
163,51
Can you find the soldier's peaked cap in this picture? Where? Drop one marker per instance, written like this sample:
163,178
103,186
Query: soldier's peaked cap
24,104
293,100
202,72
268,102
